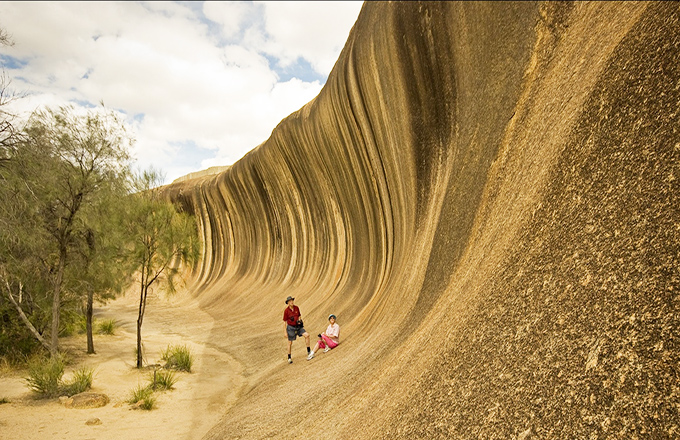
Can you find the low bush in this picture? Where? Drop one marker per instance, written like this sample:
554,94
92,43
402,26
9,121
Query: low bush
44,375
178,357
17,343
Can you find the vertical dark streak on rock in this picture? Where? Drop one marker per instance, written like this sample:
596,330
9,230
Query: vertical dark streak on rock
486,195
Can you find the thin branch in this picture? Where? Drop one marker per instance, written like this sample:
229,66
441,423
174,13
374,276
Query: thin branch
158,273
25,319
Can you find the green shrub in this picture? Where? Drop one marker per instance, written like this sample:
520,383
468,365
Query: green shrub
106,327
4,400
16,341
71,322
82,324
144,395
164,380
178,357
44,375
81,381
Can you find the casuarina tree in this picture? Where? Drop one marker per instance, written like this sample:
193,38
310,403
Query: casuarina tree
164,238
100,266
54,173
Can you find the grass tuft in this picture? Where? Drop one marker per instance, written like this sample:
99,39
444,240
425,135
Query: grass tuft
44,375
178,357
106,327
81,381
143,395
149,403
165,380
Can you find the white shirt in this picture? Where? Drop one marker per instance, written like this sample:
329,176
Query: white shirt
333,331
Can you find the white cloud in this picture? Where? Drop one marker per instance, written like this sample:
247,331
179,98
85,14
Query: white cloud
192,100
315,31
229,15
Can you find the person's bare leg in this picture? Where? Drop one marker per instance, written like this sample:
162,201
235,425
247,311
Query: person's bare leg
316,347
290,346
306,335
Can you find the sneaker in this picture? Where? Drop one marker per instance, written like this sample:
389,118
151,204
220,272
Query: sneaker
290,361
326,350
310,356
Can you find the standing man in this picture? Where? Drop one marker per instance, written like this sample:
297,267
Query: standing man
294,327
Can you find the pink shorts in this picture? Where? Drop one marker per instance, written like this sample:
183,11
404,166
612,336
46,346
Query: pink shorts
326,341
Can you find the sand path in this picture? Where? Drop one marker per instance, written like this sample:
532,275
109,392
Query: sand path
198,401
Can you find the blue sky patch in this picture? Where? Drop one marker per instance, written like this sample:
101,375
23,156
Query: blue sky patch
190,154
10,62
300,69
83,103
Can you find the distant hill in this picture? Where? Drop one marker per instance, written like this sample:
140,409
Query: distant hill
207,172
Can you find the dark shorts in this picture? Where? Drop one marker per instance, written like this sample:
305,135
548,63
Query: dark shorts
294,332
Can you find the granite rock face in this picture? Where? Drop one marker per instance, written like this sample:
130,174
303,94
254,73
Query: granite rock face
487,197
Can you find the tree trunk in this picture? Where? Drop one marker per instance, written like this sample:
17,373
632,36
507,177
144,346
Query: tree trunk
56,303
88,317
139,341
25,319
140,318
139,338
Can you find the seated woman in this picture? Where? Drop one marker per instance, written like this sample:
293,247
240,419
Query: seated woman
328,339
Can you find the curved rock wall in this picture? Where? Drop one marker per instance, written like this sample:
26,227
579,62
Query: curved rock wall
486,195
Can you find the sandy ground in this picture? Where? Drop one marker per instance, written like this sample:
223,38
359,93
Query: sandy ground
198,401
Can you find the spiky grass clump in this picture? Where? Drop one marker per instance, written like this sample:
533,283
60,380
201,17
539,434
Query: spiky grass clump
81,381
106,327
178,357
143,395
149,403
44,375
164,380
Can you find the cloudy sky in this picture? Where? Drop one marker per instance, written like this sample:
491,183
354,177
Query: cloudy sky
200,83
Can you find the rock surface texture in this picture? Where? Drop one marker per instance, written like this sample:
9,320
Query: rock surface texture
85,400
487,196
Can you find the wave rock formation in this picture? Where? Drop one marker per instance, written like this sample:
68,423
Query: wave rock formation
486,195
